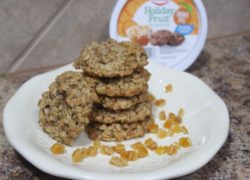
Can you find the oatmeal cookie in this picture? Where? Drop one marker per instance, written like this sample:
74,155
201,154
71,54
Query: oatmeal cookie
128,86
117,131
65,108
122,103
111,59
136,113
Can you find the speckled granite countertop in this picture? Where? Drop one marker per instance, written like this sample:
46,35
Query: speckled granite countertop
224,65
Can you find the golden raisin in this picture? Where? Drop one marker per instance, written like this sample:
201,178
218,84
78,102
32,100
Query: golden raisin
168,124
107,150
160,150
129,155
169,88
91,151
185,142
162,115
119,148
137,145
171,150
142,152
150,144
181,112
78,155
161,133
117,161
57,148
153,128
160,102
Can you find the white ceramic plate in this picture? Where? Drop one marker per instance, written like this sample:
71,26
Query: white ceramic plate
206,117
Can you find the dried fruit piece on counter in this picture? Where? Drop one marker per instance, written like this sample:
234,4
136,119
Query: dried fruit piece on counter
117,161
153,128
161,133
168,88
129,155
58,148
162,115
78,155
160,102
151,144
107,150
185,142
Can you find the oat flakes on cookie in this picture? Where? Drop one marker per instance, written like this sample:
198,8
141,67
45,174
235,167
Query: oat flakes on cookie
65,108
122,103
118,131
128,86
111,59
136,113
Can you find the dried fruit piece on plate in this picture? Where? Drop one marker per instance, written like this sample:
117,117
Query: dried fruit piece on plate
185,142
57,148
162,115
117,161
160,102
151,144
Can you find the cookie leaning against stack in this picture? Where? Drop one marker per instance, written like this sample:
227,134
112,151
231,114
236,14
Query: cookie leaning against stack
123,110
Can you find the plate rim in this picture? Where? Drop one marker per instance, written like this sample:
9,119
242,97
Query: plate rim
98,175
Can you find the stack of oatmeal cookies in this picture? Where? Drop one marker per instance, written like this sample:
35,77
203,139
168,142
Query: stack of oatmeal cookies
108,97
123,108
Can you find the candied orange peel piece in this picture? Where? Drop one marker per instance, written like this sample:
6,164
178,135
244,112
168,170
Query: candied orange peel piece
57,148
137,145
106,150
129,155
161,133
117,161
153,128
160,102
97,144
185,142
184,129
151,144
162,115
78,155
171,150
176,129
160,150
119,148
91,151
168,88
142,152
181,113
168,124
